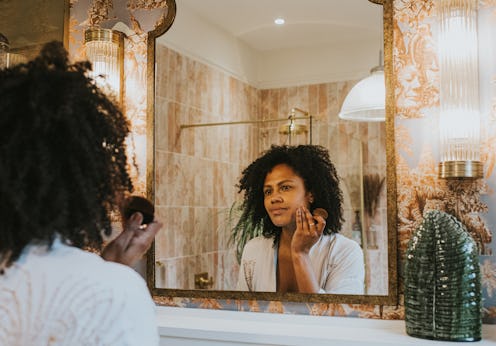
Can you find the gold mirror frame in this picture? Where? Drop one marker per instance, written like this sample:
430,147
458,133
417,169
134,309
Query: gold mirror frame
392,296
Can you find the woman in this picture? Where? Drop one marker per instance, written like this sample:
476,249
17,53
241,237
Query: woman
299,250
63,170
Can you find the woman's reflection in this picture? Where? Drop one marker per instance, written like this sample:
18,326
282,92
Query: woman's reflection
298,251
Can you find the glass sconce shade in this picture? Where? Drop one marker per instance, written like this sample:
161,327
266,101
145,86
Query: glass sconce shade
7,58
15,59
105,50
366,100
459,123
4,51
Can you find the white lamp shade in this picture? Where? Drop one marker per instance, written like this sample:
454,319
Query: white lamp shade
366,100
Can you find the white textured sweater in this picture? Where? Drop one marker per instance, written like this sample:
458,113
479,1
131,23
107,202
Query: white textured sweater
66,296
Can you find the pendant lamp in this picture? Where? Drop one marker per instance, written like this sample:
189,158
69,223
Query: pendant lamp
366,100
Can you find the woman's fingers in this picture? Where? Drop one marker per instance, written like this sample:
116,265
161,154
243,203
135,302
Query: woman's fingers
131,244
309,223
134,222
320,222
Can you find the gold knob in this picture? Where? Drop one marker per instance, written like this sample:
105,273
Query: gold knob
202,281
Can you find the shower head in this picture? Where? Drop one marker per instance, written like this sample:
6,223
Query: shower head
293,129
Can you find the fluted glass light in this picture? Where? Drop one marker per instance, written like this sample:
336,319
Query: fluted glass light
7,57
459,123
4,51
16,59
105,50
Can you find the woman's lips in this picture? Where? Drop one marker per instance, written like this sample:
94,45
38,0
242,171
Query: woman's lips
277,211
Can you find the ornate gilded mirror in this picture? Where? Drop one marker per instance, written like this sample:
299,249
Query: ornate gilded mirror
222,90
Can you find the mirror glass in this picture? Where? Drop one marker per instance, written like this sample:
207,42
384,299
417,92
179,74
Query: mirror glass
228,83
29,24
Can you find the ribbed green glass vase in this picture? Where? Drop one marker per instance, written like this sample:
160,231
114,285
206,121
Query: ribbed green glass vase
442,281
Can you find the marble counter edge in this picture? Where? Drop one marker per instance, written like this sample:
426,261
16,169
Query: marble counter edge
254,328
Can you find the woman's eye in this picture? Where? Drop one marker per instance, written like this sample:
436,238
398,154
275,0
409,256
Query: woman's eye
285,188
267,192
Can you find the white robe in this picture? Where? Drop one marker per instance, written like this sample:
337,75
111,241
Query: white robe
66,296
337,262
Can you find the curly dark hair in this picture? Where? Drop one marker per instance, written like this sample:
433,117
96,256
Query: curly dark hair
62,155
313,165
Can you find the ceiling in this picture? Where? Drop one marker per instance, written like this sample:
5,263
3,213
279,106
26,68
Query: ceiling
308,22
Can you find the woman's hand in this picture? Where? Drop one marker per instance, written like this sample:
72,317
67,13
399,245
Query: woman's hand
309,228
133,242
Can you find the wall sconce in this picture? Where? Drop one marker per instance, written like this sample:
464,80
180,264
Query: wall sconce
4,51
16,59
7,58
459,123
105,50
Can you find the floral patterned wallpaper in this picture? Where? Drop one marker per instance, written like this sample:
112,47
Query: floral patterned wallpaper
416,129
416,79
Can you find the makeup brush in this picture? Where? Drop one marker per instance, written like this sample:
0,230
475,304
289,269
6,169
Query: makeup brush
321,212
142,205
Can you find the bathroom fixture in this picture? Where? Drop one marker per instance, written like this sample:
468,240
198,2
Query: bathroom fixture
105,50
202,281
15,59
459,120
7,57
366,101
292,128
4,51
289,129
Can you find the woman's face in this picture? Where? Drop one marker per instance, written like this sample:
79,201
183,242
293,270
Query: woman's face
284,192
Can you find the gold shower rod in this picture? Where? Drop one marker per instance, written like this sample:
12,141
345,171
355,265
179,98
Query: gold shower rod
184,126
291,116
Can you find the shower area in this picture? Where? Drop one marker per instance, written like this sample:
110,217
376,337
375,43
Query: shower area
208,127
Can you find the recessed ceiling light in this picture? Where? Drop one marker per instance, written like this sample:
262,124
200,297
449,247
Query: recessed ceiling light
279,21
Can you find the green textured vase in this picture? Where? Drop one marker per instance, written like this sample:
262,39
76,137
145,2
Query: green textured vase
442,281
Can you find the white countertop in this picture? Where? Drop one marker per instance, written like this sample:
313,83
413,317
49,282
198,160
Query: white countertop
185,326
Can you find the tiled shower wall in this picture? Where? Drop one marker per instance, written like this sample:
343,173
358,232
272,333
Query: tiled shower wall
197,168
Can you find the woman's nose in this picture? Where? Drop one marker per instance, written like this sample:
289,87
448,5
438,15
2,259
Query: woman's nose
276,198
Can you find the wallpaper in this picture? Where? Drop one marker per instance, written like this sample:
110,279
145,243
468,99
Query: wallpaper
416,79
416,126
